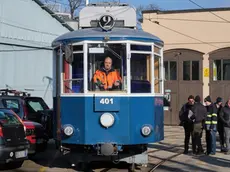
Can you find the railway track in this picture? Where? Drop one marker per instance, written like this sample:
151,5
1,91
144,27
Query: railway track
175,150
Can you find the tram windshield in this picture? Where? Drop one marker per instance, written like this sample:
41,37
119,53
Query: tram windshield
104,67
107,67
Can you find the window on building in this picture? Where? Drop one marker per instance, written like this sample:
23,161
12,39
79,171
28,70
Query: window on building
195,70
226,69
186,70
170,68
166,70
217,70
173,70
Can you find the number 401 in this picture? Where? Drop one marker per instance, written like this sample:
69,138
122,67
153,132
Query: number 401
106,101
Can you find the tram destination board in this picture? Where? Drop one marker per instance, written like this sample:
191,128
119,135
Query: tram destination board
106,22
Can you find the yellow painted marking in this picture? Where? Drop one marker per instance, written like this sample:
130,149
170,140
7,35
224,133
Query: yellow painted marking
42,169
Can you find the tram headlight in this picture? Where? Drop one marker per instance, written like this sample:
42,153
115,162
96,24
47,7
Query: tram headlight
68,130
146,130
107,120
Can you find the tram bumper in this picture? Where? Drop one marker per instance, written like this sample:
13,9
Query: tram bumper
107,149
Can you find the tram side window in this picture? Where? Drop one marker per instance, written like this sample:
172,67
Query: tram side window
140,73
73,81
157,74
217,70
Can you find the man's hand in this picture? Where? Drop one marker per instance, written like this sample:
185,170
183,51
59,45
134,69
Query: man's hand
117,83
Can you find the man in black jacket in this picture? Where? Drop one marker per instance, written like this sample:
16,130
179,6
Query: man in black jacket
225,117
200,113
186,121
220,127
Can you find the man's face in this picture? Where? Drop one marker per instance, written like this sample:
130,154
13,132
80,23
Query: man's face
207,103
219,104
108,63
228,103
191,101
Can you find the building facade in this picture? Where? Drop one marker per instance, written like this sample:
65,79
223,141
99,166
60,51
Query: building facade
27,29
196,53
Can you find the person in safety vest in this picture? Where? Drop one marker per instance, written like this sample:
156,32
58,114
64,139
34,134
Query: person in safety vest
107,78
211,126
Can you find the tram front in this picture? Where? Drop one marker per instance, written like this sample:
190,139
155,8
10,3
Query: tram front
108,96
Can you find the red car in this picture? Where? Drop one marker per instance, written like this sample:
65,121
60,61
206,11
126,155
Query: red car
38,142
30,110
13,143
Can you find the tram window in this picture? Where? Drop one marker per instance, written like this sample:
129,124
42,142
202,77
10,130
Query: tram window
140,73
157,50
157,74
226,69
77,48
73,81
186,70
97,79
140,48
195,70
173,70
166,69
217,70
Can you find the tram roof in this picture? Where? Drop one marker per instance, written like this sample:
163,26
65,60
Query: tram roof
116,34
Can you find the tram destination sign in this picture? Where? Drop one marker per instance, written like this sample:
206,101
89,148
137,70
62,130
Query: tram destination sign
106,22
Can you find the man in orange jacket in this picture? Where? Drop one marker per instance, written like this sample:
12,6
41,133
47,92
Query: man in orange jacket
107,78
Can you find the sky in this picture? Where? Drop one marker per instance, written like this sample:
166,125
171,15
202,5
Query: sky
178,4
169,4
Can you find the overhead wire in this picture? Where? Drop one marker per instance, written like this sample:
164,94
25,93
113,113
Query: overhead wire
201,42
209,11
156,22
192,20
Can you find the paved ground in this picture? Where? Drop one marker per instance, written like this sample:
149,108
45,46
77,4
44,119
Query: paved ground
186,163
50,161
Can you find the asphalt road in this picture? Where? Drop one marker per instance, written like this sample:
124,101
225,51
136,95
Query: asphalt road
48,161
52,161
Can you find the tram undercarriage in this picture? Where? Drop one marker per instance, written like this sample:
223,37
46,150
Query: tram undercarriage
132,154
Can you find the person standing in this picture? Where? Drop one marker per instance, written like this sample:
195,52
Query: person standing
200,113
210,126
225,117
220,125
186,122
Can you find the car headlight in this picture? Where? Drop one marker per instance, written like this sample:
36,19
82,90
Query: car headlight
146,130
107,120
68,130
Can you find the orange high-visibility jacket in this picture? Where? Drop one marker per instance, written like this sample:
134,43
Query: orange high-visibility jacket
108,78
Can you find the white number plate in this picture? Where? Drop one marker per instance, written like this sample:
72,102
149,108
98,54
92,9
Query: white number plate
21,154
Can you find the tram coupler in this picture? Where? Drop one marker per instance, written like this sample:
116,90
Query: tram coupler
107,149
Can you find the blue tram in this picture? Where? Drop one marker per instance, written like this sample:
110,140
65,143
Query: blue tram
110,119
